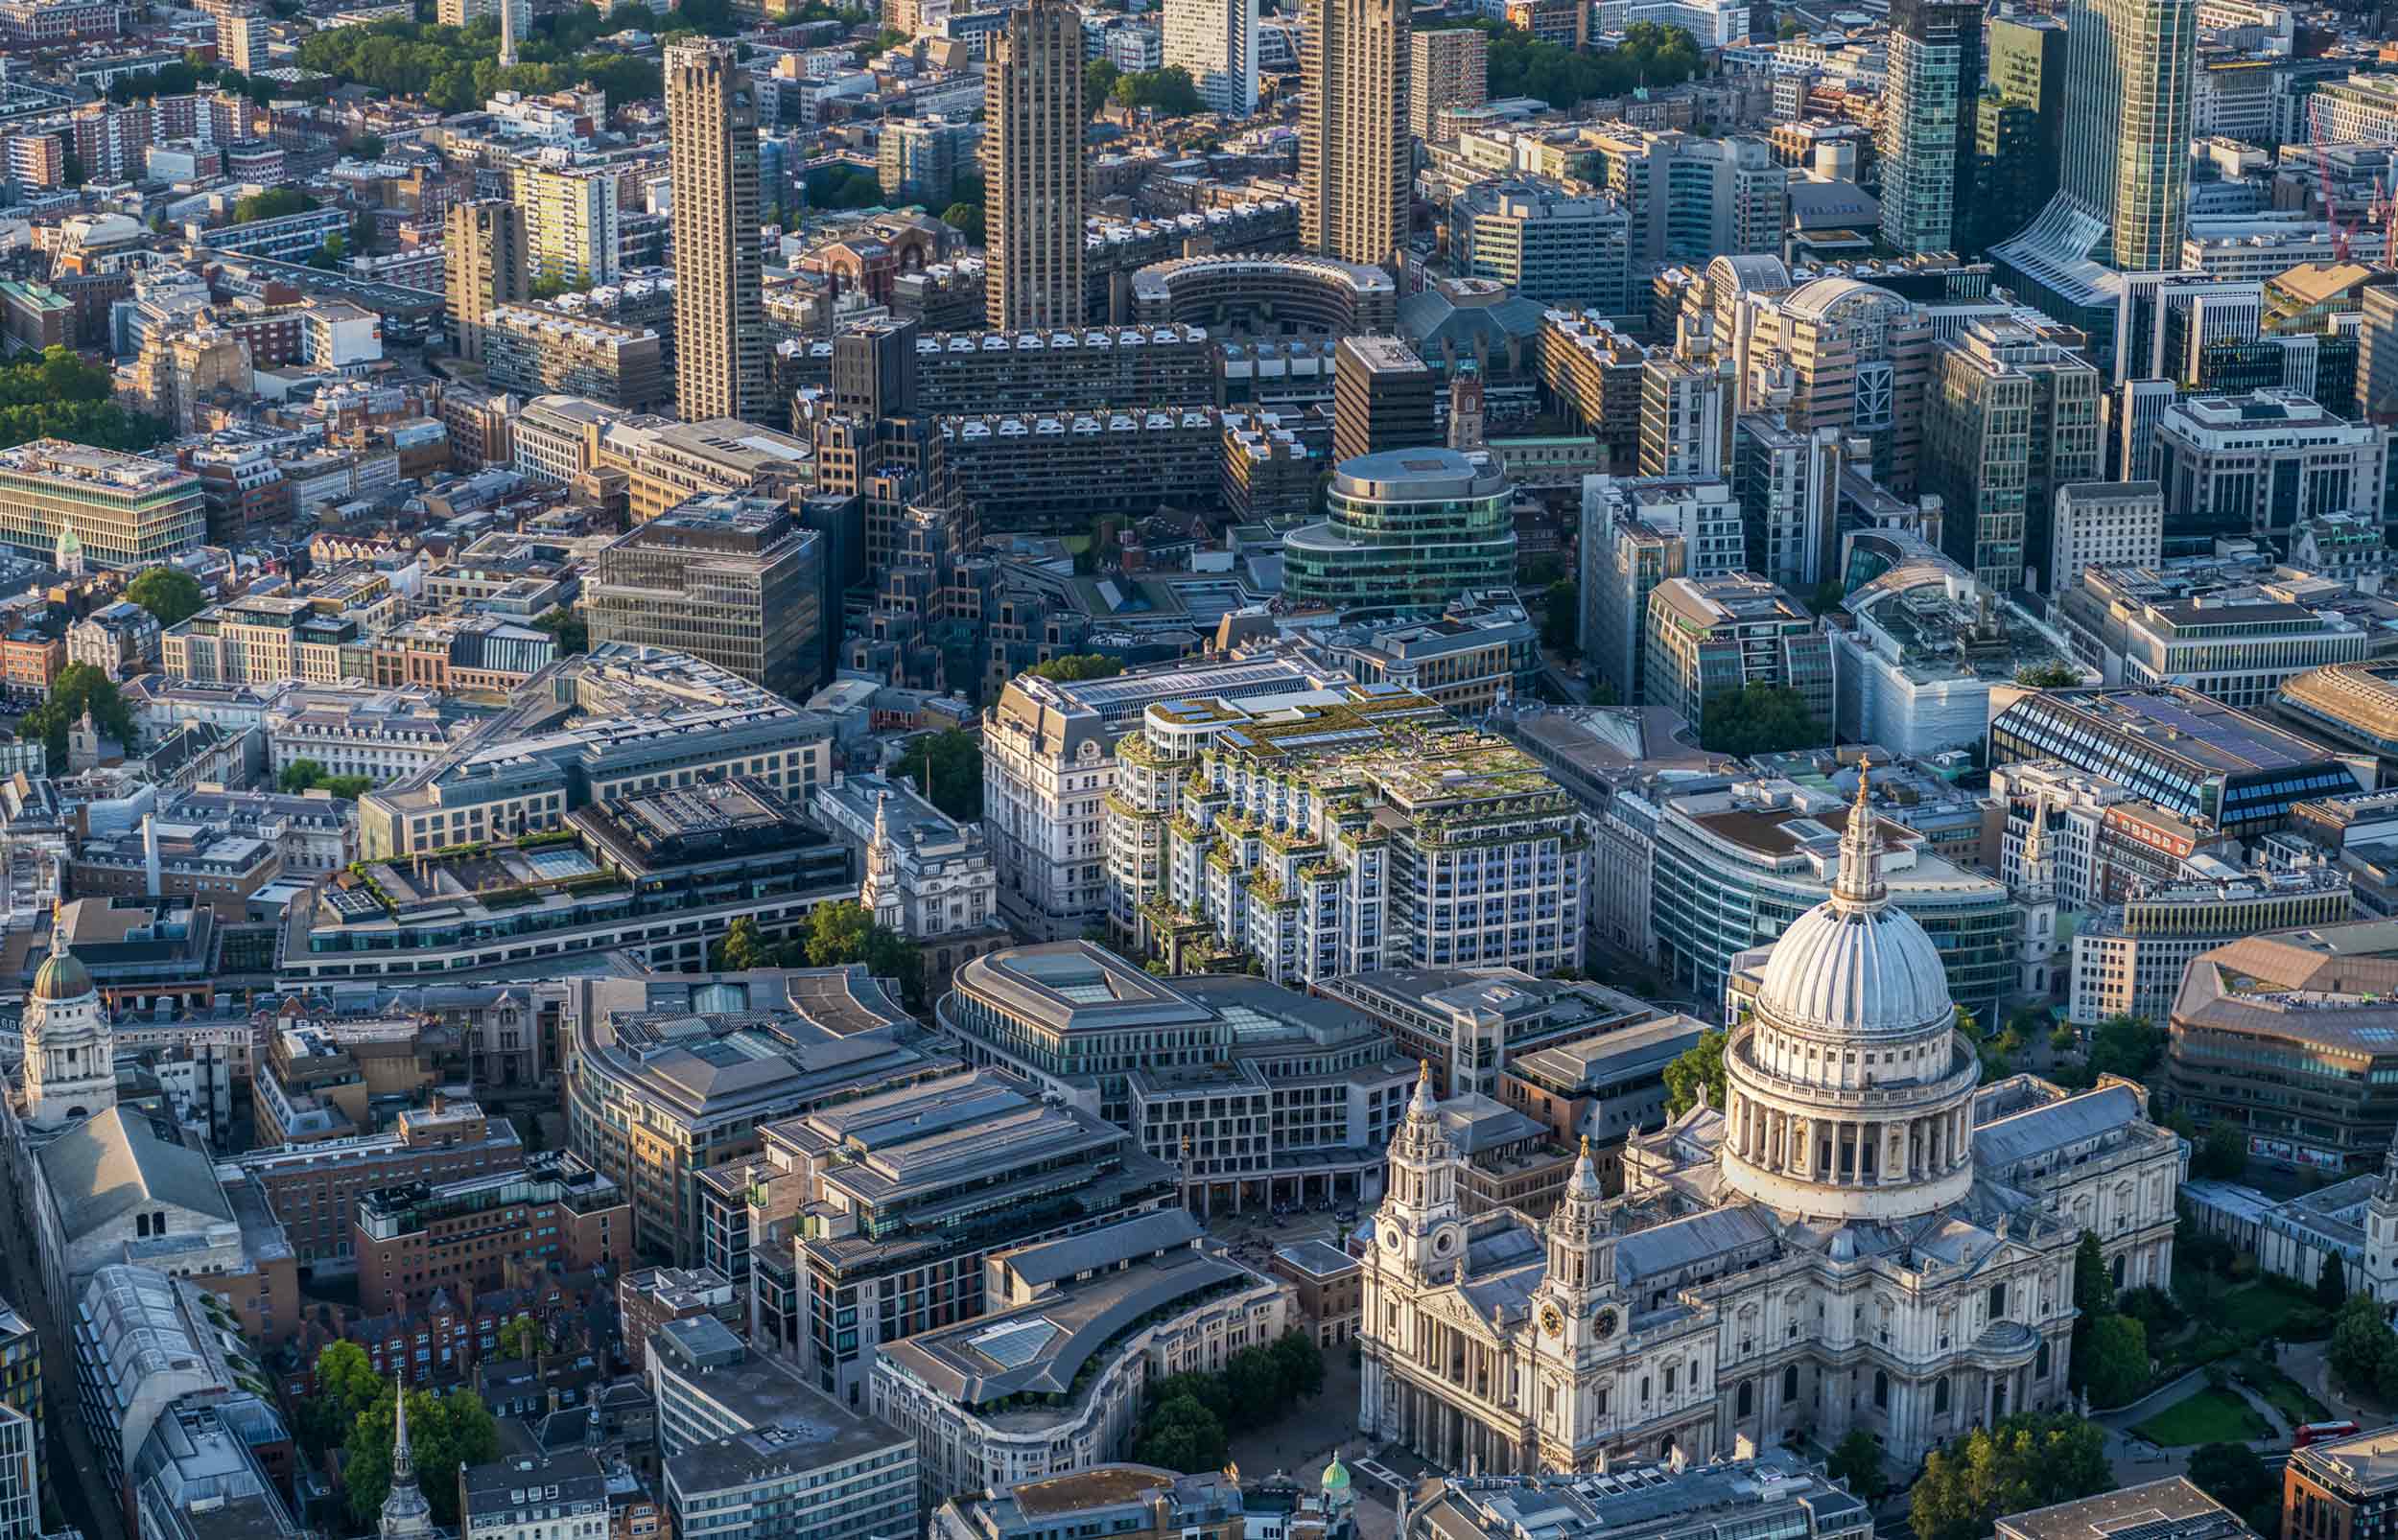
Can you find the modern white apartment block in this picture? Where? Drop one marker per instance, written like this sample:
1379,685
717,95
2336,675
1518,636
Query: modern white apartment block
1332,830
1216,41
572,220
1048,763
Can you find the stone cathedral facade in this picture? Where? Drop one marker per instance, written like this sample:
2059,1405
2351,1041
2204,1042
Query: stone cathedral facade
1865,1237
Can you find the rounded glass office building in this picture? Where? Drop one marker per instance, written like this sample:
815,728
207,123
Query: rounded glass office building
1410,529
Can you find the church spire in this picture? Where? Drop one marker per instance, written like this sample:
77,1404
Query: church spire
406,1514
1859,882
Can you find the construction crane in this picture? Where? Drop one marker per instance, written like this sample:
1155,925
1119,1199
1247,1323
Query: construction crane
2342,234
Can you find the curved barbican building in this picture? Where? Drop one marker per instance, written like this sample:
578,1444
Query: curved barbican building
1266,296
1409,528
1865,1237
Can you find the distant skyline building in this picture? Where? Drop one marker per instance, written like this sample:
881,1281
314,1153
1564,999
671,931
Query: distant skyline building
1033,168
2015,124
720,318
1216,41
1927,120
2123,199
2127,131
1355,154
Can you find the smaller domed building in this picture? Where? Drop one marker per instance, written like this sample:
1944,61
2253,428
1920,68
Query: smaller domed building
70,1057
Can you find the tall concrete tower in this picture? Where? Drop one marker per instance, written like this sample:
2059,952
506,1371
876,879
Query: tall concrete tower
1033,168
1354,151
487,264
711,157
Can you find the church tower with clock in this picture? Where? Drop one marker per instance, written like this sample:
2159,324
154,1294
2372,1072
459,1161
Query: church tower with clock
1854,1234
1420,1223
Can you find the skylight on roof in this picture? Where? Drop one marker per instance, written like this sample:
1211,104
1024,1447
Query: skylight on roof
1015,1344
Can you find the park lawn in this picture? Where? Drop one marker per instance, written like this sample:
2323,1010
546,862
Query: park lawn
2260,1309
2295,1403
2208,1417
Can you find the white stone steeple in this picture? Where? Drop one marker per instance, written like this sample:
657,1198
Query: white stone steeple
406,1514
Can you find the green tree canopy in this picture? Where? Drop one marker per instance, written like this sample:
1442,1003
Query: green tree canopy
2361,1343
1652,54
58,395
1560,619
842,186
2093,1298
2118,1354
1183,1435
78,687
2026,1461
1300,1359
845,932
1699,1066
1079,665
744,947
519,1338
2049,675
2232,1475
444,1431
1759,719
1168,92
1189,1412
275,203
948,767
573,632
1857,1459
307,775
347,1386
966,219
1098,83
2331,1284
170,594
2223,1155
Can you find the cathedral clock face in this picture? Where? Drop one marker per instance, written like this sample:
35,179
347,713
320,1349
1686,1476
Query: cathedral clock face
1603,1323
1389,1237
1552,1321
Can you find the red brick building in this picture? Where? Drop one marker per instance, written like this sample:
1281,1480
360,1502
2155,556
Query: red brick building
488,1232
313,1188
